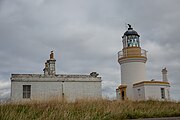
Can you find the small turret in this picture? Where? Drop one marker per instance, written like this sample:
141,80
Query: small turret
164,75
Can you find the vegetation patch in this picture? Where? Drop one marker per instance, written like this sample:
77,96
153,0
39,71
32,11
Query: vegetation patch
88,110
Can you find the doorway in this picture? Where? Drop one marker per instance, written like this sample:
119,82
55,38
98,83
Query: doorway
122,95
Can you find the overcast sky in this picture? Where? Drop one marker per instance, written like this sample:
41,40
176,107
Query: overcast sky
86,36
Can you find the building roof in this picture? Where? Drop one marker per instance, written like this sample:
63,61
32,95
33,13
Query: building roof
57,77
122,86
151,83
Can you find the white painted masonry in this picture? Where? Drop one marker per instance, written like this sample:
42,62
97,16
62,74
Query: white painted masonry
131,73
43,88
55,86
151,90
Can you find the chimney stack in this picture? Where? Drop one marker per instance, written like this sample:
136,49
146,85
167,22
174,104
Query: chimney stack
50,65
164,75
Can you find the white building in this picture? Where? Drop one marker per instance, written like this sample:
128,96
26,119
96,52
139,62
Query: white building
134,83
54,86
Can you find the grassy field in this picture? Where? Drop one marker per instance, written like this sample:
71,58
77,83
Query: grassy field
88,110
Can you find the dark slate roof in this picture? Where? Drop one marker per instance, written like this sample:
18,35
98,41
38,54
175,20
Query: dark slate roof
130,31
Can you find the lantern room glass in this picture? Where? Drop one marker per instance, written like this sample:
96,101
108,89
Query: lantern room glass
133,41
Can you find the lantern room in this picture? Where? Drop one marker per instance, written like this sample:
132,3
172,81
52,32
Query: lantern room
131,46
130,38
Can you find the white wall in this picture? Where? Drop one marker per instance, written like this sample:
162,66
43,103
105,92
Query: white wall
79,90
53,89
39,90
131,73
154,92
139,93
118,94
150,92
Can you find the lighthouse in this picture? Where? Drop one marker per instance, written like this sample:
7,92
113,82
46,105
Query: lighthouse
134,83
132,60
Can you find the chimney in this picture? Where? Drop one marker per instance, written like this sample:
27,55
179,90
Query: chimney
164,75
46,69
52,55
50,65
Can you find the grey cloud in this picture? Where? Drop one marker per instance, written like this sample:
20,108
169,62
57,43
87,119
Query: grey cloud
86,36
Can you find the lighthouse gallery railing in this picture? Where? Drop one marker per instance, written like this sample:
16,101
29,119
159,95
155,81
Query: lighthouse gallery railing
122,54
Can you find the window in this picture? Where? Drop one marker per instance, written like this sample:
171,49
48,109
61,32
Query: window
162,93
139,90
26,91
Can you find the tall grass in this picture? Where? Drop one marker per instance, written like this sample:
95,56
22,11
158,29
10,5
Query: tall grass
88,110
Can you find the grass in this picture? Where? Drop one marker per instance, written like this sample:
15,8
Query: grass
88,110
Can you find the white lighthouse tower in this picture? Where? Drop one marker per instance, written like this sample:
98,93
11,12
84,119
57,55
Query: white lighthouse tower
132,60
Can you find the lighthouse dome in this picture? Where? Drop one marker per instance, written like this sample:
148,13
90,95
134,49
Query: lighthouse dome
130,31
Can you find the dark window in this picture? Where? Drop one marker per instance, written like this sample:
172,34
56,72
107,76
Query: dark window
139,90
26,91
122,95
162,93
